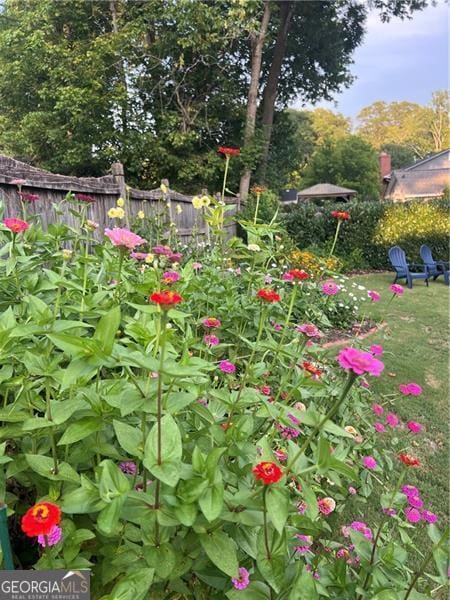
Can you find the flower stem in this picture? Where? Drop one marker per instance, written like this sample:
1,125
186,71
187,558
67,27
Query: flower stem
333,410
52,433
225,175
286,324
119,272
159,398
256,208
338,226
266,531
48,552
86,254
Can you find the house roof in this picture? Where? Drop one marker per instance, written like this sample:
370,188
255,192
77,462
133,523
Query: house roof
420,163
322,190
406,183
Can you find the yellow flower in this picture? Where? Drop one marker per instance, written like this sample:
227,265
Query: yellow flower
206,200
197,203
149,258
112,213
120,202
163,188
179,209
254,247
67,254
141,214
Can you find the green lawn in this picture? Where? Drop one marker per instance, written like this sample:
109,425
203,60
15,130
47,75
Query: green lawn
416,344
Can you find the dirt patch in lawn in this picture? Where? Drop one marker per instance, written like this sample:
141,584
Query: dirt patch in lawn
337,337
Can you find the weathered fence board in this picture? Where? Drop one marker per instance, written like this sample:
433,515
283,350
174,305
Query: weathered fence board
52,189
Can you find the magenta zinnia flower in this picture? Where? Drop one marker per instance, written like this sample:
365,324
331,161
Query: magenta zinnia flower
15,225
309,330
326,505
128,467
414,427
414,501
410,490
124,238
412,515
374,296
163,250
376,349
369,462
241,582
171,277
378,409
396,289
359,362
429,517
53,537
410,389
138,255
392,420
211,340
329,288
227,367
379,427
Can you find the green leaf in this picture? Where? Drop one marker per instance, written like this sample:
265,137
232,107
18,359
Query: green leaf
79,430
221,551
309,496
257,590
323,456
133,586
169,469
303,586
179,400
43,465
162,559
107,328
277,499
211,503
108,518
112,481
186,513
129,438
83,500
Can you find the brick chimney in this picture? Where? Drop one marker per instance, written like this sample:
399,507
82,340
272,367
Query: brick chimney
384,160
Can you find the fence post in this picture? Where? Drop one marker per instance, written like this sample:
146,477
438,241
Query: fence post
119,178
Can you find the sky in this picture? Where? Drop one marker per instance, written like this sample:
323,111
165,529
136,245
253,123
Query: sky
399,60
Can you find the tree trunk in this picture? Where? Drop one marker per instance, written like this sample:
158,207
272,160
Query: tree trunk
121,67
271,89
252,98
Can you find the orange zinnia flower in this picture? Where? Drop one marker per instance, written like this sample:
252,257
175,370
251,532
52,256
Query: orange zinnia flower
166,298
267,472
40,519
268,295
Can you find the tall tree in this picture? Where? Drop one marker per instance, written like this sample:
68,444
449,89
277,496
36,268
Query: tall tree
440,119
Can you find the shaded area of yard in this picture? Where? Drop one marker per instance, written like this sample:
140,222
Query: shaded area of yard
416,344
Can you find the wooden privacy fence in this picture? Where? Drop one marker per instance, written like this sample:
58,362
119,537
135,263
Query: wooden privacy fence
52,188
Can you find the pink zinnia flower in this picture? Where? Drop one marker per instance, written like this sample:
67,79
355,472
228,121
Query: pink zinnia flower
329,288
301,507
266,390
365,384
241,582
326,505
138,255
412,515
376,349
227,367
128,467
410,490
15,225
414,501
280,455
369,462
162,250
53,537
171,277
351,490
410,389
211,323
293,418
197,266
359,362
26,197
378,409
374,296
429,517
362,528
396,289
287,277
268,279
392,420
277,326
414,427
211,340
124,238
309,330
379,427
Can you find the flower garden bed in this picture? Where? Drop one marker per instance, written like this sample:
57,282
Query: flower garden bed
172,423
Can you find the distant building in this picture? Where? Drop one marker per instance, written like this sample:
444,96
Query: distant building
426,178
326,191
289,196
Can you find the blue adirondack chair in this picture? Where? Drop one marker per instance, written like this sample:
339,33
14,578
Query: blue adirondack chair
398,260
434,267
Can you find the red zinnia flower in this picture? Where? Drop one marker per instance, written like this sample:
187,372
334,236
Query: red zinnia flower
84,198
258,189
298,274
268,295
229,151
267,472
15,225
40,519
311,369
166,298
340,215
409,460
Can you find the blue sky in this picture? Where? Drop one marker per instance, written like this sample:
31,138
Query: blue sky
399,60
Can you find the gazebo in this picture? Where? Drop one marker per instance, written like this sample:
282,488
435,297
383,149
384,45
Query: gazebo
326,190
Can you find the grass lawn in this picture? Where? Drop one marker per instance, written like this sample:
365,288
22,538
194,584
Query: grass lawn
416,344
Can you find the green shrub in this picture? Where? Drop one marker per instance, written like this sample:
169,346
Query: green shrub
374,227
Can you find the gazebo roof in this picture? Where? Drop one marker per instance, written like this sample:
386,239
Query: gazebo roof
322,190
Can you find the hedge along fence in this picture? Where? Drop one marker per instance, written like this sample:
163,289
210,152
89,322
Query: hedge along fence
52,189
373,228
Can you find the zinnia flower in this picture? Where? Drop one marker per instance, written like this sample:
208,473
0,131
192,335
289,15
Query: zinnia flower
392,420
139,255
211,340
429,516
295,274
414,501
267,472
227,367
410,389
26,197
280,454
351,490
344,216
128,467
369,462
309,330
310,368
414,427
410,490
359,362
396,289
163,250
228,151
241,582
378,409
412,515
329,288
268,295
197,203
86,198
170,277
124,238
326,505
374,296
52,538
197,266
166,298
40,519
15,225
376,350
409,460
379,427
211,323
